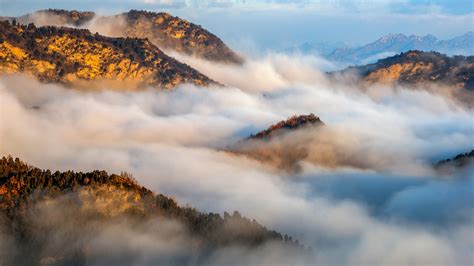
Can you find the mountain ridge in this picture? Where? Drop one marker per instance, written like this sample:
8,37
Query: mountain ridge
415,67
71,56
281,145
389,45
161,28
292,123
460,160
97,197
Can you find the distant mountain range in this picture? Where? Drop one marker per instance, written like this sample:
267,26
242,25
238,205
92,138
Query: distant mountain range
388,45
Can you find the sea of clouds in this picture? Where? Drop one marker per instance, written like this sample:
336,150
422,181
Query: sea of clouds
364,193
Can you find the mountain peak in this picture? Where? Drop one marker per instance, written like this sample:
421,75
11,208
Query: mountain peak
415,66
170,32
292,123
72,17
136,12
72,56
391,37
393,43
459,160
162,29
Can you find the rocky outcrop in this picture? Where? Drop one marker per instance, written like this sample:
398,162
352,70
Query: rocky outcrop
73,56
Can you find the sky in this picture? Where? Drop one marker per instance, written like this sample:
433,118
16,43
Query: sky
253,26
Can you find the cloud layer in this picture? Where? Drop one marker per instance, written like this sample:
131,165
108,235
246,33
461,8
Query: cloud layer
365,193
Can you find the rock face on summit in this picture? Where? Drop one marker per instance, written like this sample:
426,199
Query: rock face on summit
162,29
417,67
73,56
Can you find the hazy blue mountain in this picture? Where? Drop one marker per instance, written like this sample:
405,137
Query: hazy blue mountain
316,48
390,45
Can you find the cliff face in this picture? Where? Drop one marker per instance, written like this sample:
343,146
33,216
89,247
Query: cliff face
71,56
162,29
416,67
77,206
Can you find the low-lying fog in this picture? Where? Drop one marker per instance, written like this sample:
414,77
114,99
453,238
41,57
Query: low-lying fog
366,192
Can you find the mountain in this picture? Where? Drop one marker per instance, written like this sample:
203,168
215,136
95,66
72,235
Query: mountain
175,33
73,56
282,145
57,217
418,67
393,44
57,17
460,160
162,29
284,126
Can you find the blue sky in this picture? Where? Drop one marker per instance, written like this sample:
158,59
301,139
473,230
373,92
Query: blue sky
276,24
399,6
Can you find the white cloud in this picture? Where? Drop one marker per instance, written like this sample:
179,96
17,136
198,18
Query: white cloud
172,142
